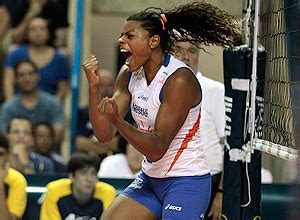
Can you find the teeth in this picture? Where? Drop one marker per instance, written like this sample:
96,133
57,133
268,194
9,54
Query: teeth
124,50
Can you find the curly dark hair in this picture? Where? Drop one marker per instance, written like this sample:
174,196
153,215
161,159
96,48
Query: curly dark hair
198,22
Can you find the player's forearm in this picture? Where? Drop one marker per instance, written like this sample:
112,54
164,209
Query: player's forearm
149,144
102,128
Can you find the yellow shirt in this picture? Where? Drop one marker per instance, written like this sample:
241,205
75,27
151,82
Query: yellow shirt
17,197
59,202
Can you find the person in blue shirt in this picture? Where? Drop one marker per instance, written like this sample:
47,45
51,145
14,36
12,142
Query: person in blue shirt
51,62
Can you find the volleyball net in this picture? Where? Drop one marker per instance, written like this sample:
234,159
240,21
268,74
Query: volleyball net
262,87
279,33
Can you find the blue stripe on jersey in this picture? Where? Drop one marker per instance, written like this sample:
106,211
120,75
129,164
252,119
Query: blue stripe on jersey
129,78
167,60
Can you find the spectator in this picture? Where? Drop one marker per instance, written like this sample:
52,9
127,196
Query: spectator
12,186
212,124
54,11
32,103
85,139
80,196
44,143
20,141
52,64
127,164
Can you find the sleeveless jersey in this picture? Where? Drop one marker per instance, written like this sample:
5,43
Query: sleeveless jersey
185,155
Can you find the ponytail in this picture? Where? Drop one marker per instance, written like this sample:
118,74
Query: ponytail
198,23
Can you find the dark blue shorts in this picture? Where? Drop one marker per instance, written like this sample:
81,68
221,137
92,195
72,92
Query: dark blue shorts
179,198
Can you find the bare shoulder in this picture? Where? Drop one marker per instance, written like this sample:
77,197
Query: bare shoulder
124,72
183,84
122,78
183,77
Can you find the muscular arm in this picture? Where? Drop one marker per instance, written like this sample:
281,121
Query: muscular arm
181,92
102,127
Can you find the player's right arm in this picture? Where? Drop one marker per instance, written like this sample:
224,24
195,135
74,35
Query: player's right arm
102,127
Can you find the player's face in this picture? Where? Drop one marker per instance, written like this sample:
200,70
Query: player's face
188,53
84,180
135,45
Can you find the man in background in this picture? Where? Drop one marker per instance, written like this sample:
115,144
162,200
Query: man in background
212,124
31,102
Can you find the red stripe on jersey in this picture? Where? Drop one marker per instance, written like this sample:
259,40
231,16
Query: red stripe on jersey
185,141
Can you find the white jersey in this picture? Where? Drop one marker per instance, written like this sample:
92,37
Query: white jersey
185,155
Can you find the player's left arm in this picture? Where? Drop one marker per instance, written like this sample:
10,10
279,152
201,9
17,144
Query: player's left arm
181,92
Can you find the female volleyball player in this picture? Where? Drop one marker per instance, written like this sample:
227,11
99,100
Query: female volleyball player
165,98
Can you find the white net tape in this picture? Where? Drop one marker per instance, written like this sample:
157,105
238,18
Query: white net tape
273,149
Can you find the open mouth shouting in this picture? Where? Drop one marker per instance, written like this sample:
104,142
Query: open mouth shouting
127,54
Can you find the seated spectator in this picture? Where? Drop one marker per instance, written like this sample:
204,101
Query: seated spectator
52,64
32,103
43,144
22,157
12,186
85,139
80,196
126,165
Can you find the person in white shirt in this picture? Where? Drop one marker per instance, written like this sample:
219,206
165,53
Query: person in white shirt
212,123
124,165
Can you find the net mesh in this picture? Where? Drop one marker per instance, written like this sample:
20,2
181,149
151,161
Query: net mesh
278,34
